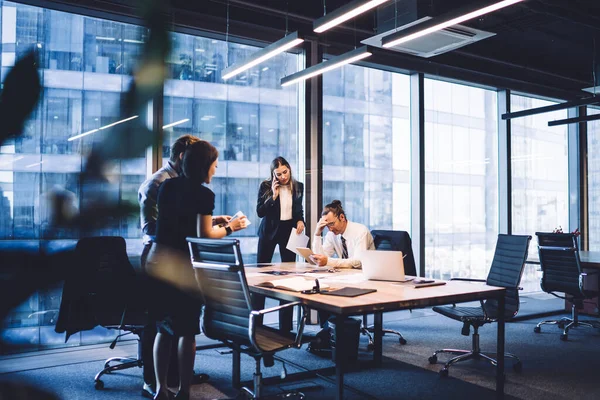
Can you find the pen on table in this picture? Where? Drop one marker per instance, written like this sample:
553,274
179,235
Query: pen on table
317,286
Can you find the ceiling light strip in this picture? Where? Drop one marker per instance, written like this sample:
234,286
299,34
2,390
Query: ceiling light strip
554,107
585,118
344,13
101,128
284,44
321,68
172,124
434,24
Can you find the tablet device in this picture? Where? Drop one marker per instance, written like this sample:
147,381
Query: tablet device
306,253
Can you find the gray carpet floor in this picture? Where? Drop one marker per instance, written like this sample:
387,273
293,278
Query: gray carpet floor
552,369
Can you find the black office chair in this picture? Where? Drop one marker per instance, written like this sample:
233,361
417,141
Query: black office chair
506,271
100,289
391,241
561,272
228,315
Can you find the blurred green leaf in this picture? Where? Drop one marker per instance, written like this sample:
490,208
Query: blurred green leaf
20,94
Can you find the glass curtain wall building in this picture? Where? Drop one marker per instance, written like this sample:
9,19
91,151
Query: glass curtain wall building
84,67
250,118
366,145
85,70
593,174
540,185
461,180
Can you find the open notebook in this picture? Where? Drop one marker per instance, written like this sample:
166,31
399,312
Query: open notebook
295,284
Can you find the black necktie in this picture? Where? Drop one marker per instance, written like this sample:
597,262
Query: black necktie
344,248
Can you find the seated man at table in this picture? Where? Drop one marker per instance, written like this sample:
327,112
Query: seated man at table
345,239
338,249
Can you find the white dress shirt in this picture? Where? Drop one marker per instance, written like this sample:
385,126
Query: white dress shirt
285,202
357,238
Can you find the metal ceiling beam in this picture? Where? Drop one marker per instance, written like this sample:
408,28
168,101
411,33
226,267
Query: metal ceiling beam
555,107
574,120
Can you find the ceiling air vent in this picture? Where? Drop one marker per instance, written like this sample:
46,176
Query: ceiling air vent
435,43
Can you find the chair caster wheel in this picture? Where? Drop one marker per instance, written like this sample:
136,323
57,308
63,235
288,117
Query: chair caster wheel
537,329
444,372
518,367
433,360
98,385
564,337
370,347
402,340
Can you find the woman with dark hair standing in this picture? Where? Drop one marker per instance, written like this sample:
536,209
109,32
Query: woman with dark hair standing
279,205
185,208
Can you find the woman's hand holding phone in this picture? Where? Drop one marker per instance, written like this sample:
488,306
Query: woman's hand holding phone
275,187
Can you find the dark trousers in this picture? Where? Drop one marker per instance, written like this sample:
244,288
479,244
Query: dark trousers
266,248
147,339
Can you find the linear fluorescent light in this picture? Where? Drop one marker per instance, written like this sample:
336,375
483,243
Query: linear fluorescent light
554,107
34,164
172,124
321,68
284,44
433,25
344,13
11,161
585,118
101,128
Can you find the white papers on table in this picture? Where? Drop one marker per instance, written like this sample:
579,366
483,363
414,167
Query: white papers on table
296,240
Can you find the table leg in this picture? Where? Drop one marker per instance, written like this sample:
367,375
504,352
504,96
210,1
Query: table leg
339,357
378,339
500,349
235,372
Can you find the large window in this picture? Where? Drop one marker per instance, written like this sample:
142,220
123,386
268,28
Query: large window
593,172
366,145
461,180
84,66
539,176
250,118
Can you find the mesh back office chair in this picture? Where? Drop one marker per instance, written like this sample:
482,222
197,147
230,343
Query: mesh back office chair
228,314
99,290
561,272
392,241
506,271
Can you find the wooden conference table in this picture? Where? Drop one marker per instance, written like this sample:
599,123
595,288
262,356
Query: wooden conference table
389,296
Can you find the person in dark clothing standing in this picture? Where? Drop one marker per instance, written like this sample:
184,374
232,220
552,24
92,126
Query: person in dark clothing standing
185,208
279,204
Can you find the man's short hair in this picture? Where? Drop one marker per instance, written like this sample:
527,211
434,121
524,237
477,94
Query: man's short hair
197,160
180,145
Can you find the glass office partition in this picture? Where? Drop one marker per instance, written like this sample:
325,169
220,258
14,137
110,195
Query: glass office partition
250,118
84,67
461,180
366,145
540,167
593,176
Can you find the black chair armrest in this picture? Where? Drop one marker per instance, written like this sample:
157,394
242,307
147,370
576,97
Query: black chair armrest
259,313
468,280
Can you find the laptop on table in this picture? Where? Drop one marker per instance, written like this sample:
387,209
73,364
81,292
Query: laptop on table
380,265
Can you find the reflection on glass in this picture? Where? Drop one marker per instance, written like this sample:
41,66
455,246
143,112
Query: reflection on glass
84,66
366,145
250,119
461,180
593,164
539,176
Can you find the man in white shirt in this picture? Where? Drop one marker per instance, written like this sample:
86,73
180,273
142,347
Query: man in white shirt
345,239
